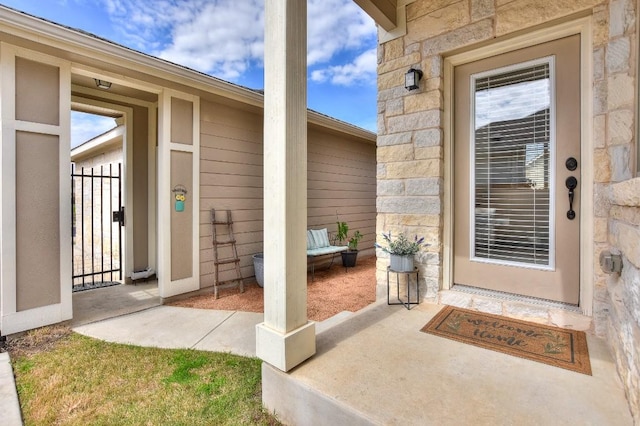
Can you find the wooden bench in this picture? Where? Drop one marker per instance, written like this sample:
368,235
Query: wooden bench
318,244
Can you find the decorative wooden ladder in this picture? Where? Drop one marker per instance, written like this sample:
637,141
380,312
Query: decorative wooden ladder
232,252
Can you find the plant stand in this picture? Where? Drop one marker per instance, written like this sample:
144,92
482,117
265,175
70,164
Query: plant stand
408,274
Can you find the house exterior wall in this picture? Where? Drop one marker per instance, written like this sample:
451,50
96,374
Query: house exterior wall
411,164
341,178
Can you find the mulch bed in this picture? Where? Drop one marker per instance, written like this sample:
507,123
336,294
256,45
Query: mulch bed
331,292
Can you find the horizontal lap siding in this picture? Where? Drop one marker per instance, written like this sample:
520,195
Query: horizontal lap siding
341,175
342,183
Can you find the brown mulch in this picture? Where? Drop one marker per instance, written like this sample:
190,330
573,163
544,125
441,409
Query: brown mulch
331,292
35,341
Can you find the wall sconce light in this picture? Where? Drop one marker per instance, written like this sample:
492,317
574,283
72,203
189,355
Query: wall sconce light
103,84
412,78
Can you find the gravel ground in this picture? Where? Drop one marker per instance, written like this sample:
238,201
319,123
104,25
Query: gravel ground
331,292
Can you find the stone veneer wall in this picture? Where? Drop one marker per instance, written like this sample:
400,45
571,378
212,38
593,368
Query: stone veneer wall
410,142
624,316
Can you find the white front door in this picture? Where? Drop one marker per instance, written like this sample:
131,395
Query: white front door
517,172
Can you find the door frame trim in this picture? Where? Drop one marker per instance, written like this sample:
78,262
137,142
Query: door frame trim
582,26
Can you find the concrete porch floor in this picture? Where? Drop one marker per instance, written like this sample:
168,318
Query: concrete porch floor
109,302
377,367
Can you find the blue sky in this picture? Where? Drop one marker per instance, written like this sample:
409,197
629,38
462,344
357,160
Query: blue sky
225,38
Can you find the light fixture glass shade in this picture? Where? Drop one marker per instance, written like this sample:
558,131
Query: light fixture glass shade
103,84
412,78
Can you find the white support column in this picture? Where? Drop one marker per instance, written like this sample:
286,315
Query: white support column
286,338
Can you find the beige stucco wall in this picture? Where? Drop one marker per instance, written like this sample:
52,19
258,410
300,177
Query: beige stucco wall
37,187
411,143
341,178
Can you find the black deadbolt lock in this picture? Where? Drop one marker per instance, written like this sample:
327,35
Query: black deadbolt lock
571,163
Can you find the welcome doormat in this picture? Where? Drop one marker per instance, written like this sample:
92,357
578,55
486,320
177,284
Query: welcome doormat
552,345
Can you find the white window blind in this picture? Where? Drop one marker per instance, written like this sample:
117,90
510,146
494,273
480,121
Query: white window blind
511,151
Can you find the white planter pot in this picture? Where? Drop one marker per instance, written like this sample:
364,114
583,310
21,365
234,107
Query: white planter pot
401,263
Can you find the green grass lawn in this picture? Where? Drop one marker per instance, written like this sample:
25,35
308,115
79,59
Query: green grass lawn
77,380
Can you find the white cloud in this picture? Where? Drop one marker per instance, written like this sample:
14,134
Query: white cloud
336,26
85,127
226,37
361,71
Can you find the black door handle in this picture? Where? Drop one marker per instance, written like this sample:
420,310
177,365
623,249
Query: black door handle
571,184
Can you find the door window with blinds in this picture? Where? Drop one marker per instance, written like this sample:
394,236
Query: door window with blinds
511,157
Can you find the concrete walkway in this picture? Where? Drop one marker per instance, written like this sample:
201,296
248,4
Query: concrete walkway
174,327
10,414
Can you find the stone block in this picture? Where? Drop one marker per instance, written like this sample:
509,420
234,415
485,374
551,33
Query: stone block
391,79
527,312
629,243
438,22
630,215
423,101
598,64
519,14
381,124
433,84
467,35
410,205
414,169
415,121
402,63
630,291
394,107
599,131
420,8
599,97
570,320
620,127
602,167
427,153
626,193
424,186
620,157
405,220
381,171
487,305
600,25
432,67
601,230
618,55
393,49
621,17
394,139
455,298
620,92
601,203
394,153
481,9
394,92
428,138
390,187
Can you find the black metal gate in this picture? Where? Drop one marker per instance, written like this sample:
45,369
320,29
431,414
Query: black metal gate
97,221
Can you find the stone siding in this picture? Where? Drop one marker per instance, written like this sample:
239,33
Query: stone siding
411,144
623,324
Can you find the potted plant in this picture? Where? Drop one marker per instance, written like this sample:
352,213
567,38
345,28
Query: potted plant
350,256
401,251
